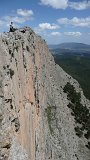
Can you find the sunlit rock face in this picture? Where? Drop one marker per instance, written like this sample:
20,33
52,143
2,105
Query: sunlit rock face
35,120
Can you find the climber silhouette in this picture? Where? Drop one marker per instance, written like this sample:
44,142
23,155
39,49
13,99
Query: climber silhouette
12,29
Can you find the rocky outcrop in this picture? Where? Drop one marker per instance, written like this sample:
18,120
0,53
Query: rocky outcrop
35,120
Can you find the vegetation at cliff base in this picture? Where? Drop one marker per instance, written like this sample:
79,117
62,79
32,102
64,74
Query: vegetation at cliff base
80,112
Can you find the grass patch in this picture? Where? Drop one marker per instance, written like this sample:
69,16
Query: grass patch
50,112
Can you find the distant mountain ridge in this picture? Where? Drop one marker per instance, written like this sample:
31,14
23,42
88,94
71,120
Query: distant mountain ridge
71,45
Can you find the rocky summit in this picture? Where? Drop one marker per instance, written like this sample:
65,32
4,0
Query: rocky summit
43,112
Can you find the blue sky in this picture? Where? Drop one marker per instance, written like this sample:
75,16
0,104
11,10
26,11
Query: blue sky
57,21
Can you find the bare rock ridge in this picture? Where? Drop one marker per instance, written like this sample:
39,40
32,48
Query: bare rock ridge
38,119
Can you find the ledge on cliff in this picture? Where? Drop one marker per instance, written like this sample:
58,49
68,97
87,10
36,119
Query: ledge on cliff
23,30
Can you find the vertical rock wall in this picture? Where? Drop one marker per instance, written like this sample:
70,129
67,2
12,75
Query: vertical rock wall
35,122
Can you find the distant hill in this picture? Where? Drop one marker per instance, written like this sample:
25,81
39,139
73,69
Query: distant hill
70,49
71,45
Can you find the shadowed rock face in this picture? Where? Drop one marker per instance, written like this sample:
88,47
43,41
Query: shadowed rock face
35,122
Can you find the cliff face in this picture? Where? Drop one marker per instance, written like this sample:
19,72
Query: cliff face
35,121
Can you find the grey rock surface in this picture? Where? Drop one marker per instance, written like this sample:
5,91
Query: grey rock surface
30,84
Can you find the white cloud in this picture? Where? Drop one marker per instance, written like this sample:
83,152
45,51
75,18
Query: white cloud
44,26
15,19
76,34
44,29
57,4
56,34
26,13
63,20
1,22
80,5
78,22
19,17
63,4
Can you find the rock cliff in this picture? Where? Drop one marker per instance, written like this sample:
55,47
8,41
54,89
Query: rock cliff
35,120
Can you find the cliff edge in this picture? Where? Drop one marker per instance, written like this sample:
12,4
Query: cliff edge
36,119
